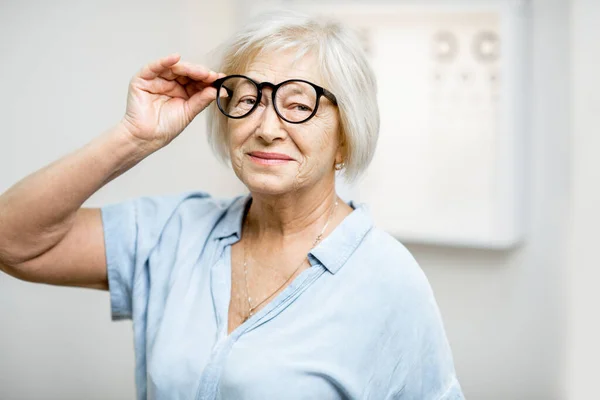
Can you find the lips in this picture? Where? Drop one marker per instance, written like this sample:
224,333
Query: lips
270,155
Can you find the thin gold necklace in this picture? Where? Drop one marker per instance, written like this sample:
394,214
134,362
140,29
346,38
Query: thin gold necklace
249,299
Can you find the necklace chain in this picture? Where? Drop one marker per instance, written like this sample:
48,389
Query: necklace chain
249,299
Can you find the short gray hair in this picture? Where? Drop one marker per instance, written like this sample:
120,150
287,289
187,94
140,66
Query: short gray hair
343,65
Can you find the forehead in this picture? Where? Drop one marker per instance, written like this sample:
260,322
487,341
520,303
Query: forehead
276,67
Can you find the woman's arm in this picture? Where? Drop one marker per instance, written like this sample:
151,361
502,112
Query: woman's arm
45,235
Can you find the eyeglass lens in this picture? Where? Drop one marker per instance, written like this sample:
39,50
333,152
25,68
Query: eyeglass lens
295,101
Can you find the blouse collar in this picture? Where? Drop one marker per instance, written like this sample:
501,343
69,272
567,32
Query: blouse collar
333,251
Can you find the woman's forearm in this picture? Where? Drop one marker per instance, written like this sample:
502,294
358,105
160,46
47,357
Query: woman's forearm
39,210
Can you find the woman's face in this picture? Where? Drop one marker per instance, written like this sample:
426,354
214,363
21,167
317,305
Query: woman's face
272,156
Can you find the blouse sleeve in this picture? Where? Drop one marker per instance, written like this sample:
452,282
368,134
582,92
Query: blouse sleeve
422,364
132,230
429,371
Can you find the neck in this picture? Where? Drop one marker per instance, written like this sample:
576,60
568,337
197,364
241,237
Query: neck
291,217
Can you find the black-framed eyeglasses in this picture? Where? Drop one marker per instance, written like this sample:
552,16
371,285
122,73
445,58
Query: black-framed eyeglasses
295,100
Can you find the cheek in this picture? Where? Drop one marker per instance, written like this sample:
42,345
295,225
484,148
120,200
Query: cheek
321,139
319,151
237,136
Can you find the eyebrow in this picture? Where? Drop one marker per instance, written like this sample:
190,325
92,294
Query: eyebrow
238,86
297,90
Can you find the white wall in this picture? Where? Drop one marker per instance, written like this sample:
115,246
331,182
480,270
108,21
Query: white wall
64,73
504,311
583,261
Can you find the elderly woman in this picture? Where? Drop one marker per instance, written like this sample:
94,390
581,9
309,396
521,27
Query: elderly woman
285,293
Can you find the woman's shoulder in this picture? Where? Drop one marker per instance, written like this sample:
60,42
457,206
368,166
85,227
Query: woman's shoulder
186,204
182,212
395,266
387,251
198,200
377,253
198,203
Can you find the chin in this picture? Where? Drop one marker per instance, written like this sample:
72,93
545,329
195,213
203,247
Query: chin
269,184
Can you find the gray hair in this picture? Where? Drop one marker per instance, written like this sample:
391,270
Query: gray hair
343,65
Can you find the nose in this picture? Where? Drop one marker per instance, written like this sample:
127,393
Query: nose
270,127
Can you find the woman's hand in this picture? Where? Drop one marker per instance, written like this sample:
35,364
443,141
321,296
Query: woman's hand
164,97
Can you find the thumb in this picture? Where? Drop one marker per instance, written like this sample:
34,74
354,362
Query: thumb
200,100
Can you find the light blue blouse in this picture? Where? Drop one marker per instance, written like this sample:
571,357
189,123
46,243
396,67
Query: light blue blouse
361,323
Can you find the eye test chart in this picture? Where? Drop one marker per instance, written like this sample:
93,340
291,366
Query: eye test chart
452,84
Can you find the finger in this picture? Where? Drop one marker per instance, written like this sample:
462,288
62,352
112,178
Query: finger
201,85
200,100
194,87
155,68
194,71
164,87
183,80
169,75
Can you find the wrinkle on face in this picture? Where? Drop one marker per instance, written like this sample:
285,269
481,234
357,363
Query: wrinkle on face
313,144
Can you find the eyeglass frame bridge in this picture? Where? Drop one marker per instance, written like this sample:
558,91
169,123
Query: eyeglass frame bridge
320,91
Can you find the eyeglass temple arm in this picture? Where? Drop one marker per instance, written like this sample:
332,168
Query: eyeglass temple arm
216,84
330,96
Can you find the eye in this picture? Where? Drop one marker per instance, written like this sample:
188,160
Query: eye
247,101
301,107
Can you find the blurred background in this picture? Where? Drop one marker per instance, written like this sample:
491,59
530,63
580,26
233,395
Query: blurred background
513,265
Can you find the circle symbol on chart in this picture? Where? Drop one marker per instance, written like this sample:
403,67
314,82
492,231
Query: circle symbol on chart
486,46
445,46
